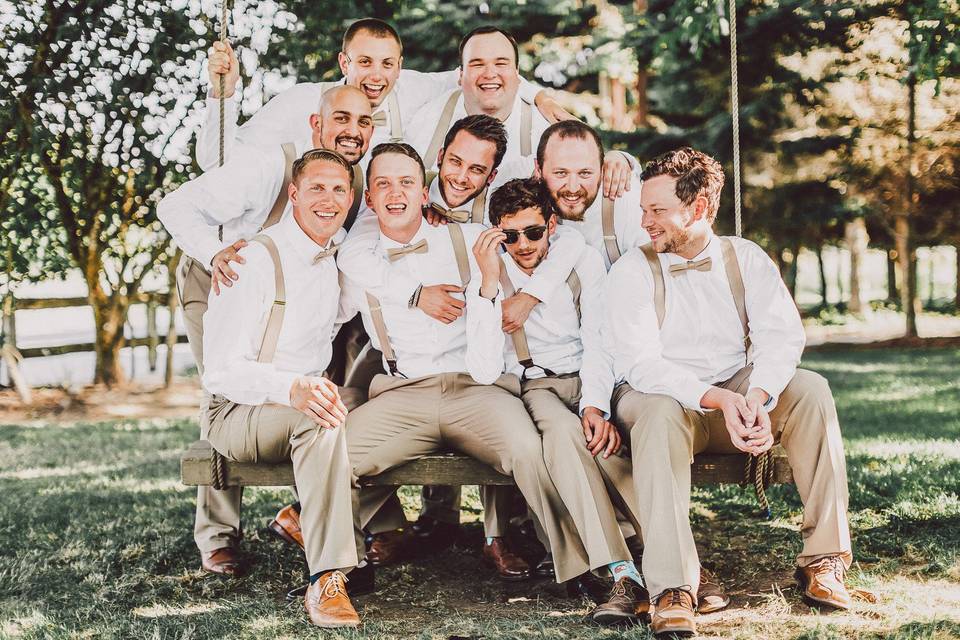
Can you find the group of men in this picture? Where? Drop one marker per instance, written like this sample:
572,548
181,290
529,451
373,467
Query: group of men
521,307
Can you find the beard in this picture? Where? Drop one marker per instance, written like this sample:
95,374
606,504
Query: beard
585,203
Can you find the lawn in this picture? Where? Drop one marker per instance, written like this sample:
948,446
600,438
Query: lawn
96,537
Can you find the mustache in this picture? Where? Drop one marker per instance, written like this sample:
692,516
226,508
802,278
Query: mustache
580,193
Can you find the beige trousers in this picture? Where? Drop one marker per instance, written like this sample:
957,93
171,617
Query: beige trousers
321,470
406,419
581,481
217,521
664,436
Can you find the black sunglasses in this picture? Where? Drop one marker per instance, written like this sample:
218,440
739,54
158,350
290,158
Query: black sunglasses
533,233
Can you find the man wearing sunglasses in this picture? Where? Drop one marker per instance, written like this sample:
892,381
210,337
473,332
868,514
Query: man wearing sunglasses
566,384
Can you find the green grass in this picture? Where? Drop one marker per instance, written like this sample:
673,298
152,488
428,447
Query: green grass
96,537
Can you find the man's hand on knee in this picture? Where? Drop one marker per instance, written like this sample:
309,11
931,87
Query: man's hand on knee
736,414
600,434
319,399
761,432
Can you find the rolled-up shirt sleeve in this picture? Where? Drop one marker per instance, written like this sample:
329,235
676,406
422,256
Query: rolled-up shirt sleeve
596,369
485,337
632,335
233,328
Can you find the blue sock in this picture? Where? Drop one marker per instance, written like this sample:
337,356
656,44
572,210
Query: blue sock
625,569
315,577
489,540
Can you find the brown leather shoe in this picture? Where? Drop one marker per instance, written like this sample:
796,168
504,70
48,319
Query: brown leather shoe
822,582
509,565
710,596
225,561
673,615
286,526
629,603
328,604
386,547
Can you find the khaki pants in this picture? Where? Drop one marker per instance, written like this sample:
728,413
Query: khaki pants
321,470
664,436
406,419
581,481
217,521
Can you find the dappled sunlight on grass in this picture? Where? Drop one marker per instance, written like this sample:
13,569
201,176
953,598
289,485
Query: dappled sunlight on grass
165,610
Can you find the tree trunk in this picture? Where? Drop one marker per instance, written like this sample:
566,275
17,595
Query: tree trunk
108,318
908,289
956,295
823,276
892,290
791,276
857,240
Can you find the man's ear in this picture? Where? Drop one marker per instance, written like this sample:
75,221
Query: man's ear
400,63
536,171
460,76
552,225
316,123
292,193
342,61
426,197
493,174
368,200
700,205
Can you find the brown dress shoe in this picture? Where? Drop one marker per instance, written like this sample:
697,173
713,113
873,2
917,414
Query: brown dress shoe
386,547
224,561
710,596
328,604
673,615
628,604
286,526
509,565
822,582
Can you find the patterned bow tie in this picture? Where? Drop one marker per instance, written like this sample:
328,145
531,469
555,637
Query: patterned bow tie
326,253
380,118
454,215
699,265
417,247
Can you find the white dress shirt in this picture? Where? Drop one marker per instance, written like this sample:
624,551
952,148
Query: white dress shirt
286,116
473,343
701,341
360,256
424,123
561,341
235,321
238,195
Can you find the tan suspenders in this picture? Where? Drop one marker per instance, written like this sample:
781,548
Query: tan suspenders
734,279
609,230
475,214
446,119
519,337
396,124
357,185
271,334
376,311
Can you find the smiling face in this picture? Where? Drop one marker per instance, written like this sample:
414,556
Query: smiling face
344,123
488,75
395,192
571,172
466,167
321,197
371,63
525,252
673,226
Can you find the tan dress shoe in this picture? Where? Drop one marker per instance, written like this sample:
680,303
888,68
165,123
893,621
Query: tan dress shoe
286,526
225,561
628,604
822,582
710,596
673,615
386,548
509,565
328,604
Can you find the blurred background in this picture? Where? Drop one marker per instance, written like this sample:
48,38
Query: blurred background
849,126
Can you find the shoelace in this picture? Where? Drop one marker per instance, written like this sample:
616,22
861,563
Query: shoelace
334,586
832,564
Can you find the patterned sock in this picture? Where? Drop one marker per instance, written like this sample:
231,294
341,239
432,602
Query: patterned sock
625,569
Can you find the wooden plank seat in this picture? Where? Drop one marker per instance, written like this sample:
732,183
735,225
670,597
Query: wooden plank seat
444,468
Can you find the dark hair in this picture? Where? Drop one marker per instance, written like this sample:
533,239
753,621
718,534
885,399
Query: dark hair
396,147
483,127
568,129
489,28
375,27
518,194
697,174
325,155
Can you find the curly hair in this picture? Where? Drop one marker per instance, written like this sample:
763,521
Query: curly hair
697,174
519,194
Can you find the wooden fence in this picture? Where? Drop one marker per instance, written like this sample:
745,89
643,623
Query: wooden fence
152,300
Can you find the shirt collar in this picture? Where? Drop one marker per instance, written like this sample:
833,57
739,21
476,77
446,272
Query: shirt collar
710,250
386,243
436,195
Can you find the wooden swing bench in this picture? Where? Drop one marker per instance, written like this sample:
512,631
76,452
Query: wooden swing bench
197,468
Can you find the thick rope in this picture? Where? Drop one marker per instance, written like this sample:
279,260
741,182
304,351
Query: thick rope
735,116
218,467
224,15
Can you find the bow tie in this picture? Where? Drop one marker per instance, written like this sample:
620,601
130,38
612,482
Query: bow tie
417,247
380,118
454,215
699,265
326,253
